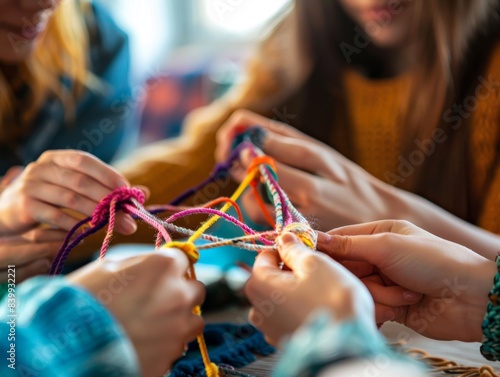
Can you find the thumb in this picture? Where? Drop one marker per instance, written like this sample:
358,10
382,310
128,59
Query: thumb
292,251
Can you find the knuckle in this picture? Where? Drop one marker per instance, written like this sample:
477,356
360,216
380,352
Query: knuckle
31,168
240,115
76,159
70,199
56,217
79,180
158,259
47,155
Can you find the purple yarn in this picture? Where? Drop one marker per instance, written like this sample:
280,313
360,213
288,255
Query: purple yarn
219,170
62,255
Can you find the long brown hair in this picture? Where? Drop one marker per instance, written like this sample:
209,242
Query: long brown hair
61,52
455,38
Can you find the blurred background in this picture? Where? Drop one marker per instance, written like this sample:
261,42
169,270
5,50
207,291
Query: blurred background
186,53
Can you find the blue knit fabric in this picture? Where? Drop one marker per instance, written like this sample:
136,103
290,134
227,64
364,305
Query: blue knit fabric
230,344
62,331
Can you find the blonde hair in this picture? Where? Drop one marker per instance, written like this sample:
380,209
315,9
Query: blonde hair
60,52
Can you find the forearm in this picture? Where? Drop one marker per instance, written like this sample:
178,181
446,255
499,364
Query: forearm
443,224
62,331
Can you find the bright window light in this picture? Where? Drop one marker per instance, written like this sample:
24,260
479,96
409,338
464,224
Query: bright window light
240,16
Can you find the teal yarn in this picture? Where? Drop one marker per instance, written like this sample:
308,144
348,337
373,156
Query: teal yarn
490,348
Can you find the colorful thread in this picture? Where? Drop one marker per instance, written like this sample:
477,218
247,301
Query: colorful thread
262,170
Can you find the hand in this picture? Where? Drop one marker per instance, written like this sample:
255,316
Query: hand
282,300
152,300
58,180
30,252
453,280
322,183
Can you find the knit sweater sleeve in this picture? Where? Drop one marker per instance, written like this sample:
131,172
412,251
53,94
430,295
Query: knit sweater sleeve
51,329
170,167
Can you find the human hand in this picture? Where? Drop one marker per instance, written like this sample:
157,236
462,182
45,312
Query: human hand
30,252
58,180
322,183
282,300
152,300
453,280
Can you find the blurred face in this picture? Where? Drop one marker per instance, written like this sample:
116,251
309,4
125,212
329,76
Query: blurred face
386,22
21,24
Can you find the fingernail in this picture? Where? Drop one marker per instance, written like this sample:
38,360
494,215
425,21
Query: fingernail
389,315
411,296
288,239
129,225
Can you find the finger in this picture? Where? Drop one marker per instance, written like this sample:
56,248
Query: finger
298,185
194,328
364,248
393,296
237,122
267,263
61,197
14,253
384,313
375,227
176,259
359,269
196,292
41,235
33,268
87,164
75,181
145,190
125,224
44,213
295,254
297,153
253,211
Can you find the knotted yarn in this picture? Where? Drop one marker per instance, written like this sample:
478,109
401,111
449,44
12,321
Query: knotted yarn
116,198
188,248
304,232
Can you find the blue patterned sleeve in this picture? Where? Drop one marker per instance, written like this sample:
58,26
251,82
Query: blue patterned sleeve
52,329
324,342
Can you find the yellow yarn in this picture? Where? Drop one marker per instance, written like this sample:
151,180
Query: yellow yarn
188,248
305,233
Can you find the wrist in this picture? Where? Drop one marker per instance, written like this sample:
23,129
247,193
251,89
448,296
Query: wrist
482,281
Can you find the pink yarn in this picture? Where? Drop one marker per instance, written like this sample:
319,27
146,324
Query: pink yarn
118,196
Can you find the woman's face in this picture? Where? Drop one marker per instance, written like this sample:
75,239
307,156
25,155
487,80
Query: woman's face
386,22
21,24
